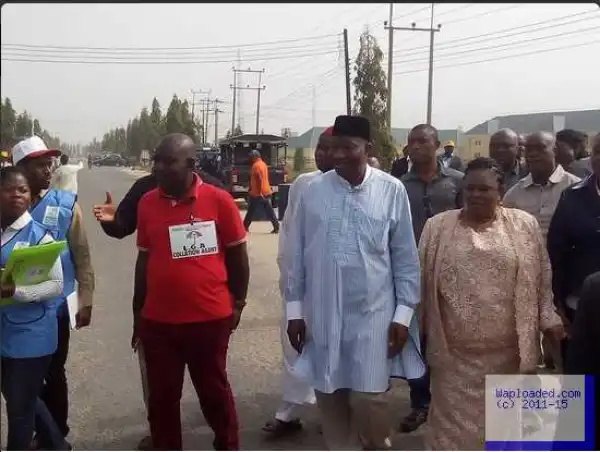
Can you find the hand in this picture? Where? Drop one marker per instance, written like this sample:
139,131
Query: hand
555,334
566,323
238,307
105,212
7,288
135,336
235,318
83,317
296,331
397,337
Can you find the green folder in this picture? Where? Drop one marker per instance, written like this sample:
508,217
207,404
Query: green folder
31,265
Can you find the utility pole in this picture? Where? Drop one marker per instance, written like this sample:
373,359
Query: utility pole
217,111
390,67
431,30
258,89
201,104
234,86
258,100
347,63
205,114
240,100
430,83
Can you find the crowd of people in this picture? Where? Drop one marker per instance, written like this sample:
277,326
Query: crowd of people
439,273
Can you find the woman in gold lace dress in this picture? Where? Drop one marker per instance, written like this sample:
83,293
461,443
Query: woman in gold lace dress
486,297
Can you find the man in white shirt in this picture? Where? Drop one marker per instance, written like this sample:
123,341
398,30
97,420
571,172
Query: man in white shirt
538,193
296,393
65,176
352,288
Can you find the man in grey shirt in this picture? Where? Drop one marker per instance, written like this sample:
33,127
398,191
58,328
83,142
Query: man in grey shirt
432,188
504,148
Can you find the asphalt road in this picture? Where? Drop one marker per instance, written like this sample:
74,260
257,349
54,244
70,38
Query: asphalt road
107,411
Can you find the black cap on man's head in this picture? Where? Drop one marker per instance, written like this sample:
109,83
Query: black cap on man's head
352,126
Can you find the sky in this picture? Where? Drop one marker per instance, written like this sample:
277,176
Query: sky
489,60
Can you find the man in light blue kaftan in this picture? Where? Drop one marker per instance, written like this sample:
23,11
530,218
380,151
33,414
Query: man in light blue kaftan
353,284
296,392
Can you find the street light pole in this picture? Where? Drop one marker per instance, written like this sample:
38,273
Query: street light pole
390,67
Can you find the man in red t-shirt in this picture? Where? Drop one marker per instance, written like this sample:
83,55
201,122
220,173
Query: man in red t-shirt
191,280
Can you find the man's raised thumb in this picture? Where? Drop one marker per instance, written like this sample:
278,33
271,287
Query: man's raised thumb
108,198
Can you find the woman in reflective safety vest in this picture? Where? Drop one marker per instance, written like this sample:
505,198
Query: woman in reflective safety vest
28,323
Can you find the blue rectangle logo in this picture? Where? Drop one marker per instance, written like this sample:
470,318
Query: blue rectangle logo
540,412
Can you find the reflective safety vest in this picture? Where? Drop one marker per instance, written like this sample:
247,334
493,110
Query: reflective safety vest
27,330
55,212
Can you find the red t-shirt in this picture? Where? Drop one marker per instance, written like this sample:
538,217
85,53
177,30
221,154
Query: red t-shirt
187,279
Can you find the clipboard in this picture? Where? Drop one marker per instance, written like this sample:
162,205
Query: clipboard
31,265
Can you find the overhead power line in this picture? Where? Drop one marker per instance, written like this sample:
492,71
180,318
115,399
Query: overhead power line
488,36
129,54
46,59
325,76
499,47
211,55
506,57
143,49
485,13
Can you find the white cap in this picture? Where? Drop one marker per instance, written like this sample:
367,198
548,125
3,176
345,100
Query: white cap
31,147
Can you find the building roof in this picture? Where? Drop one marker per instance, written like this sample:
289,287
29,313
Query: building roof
400,136
308,140
252,138
583,120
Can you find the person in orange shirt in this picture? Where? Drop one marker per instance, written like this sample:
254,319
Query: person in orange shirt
259,193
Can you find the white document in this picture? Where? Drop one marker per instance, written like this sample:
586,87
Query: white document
73,307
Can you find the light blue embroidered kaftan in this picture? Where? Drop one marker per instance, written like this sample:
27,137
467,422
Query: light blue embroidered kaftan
353,268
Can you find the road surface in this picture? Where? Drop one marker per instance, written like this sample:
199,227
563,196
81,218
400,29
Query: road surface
107,412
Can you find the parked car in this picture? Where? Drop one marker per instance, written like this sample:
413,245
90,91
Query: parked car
111,160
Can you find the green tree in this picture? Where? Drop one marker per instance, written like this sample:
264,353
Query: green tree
17,126
37,129
135,140
149,135
9,119
190,127
371,96
23,125
157,118
174,118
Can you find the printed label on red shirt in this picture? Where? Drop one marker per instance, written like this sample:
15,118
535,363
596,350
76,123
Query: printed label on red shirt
195,239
